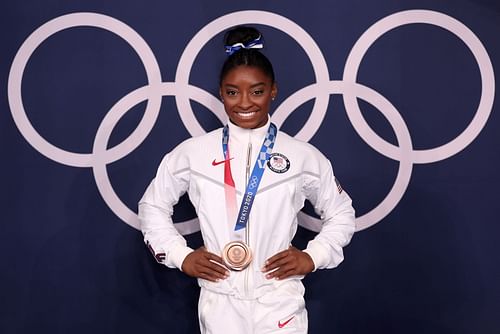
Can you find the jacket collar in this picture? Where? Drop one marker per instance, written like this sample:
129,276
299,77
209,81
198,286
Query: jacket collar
240,133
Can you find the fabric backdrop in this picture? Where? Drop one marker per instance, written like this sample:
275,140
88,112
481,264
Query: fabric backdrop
400,95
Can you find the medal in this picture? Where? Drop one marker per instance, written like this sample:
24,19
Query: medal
237,255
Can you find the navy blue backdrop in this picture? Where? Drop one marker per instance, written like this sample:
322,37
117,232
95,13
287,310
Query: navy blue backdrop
421,169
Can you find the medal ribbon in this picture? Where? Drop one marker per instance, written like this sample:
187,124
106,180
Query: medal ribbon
229,187
253,181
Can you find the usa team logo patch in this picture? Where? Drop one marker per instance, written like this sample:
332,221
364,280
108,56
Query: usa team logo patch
278,163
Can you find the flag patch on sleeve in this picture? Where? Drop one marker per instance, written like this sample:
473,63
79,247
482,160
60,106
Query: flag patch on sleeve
339,187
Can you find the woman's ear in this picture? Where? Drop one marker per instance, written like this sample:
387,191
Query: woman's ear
274,91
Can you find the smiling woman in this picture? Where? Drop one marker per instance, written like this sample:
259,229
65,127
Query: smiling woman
247,79
249,273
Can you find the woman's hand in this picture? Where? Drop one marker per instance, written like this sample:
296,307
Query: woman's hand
203,264
288,263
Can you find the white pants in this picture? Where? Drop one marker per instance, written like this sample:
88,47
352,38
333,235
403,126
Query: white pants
279,311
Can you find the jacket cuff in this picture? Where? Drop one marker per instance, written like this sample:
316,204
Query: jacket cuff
178,254
318,253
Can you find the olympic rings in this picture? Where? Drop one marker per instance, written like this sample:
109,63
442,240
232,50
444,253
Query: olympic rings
253,182
320,91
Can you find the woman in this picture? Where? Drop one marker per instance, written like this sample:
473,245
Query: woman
247,182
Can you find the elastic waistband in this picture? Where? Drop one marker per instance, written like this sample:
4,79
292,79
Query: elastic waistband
256,292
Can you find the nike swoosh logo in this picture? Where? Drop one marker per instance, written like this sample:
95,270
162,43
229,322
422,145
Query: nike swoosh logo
215,163
283,324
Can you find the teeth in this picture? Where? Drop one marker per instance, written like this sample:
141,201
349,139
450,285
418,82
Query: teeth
247,114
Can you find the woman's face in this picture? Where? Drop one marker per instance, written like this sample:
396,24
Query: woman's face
246,92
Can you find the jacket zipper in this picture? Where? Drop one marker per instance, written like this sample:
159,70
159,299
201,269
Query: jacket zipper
247,229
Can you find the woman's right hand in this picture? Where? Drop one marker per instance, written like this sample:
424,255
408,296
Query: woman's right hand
203,264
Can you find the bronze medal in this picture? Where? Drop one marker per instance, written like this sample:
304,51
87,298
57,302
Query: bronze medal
237,255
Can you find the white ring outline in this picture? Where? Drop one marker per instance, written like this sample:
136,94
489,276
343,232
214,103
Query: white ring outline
276,21
39,36
402,135
465,35
102,179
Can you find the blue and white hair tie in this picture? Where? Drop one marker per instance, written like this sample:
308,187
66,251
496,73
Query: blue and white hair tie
253,44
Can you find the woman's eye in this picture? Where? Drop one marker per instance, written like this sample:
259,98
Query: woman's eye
231,92
258,92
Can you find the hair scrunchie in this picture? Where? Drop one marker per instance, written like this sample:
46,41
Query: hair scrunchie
253,44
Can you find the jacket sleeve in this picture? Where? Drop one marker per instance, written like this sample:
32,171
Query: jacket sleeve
155,215
334,206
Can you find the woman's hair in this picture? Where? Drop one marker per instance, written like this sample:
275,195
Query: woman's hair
242,44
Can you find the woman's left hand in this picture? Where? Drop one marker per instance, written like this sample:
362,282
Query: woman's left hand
288,263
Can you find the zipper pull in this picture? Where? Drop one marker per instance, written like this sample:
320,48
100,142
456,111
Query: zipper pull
249,163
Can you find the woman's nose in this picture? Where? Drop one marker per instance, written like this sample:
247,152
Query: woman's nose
245,101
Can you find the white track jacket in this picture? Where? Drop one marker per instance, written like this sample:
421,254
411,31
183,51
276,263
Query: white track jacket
302,173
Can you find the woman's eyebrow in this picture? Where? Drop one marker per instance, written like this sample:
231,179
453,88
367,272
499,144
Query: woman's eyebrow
252,86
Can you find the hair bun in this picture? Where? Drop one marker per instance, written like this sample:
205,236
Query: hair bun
242,45
242,37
